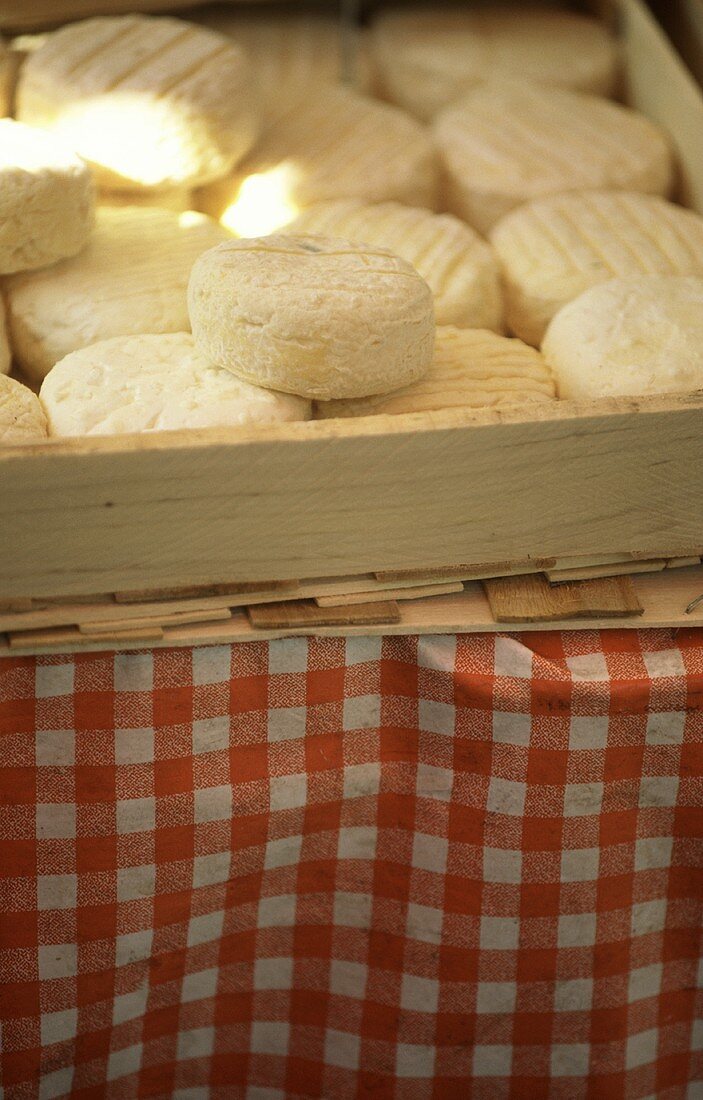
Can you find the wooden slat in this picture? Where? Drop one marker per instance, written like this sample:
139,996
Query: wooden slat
594,572
129,625
187,507
16,606
304,613
71,636
202,591
466,572
533,599
659,84
416,593
664,596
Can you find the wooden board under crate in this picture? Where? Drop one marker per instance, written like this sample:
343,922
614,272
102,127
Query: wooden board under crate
329,498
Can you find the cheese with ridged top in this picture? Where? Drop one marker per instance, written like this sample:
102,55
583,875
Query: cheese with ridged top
332,145
22,418
154,383
289,50
506,144
629,337
459,267
147,102
317,316
131,278
554,249
471,369
429,57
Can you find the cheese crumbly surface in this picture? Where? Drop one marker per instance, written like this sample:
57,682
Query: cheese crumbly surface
459,267
316,316
154,383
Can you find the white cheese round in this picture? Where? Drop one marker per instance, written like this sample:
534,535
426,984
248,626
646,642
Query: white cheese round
148,102
154,383
505,144
629,336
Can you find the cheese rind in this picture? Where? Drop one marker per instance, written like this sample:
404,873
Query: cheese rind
22,418
427,57
333,145
46,199
554,249
315,316
459,267
506,144
131,278
629,337
147,102
471,369
290,51
154,383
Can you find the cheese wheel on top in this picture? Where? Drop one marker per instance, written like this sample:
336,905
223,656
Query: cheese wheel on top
290,50
154,383
459,267
554,249
334,145
629,337
148,102
315,316
22,418
428,57
505,144
131,278
47,205
471,369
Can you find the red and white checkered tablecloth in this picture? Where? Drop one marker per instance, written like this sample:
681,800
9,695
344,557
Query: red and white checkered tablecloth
392,868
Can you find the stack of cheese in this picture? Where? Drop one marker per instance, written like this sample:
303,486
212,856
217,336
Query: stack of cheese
382,250
610,283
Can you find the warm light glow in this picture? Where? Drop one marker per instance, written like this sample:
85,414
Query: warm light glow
189,218
136,137
263,203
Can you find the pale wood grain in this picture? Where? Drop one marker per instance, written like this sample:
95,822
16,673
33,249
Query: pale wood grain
120,513
466,572
113,626
202,591
55,641
659,84
593,572
421,591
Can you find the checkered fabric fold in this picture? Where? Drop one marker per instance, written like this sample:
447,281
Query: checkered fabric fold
393,868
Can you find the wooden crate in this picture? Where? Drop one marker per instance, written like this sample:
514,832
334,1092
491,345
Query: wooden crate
329,498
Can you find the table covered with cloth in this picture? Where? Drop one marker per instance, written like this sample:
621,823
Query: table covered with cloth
436,867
